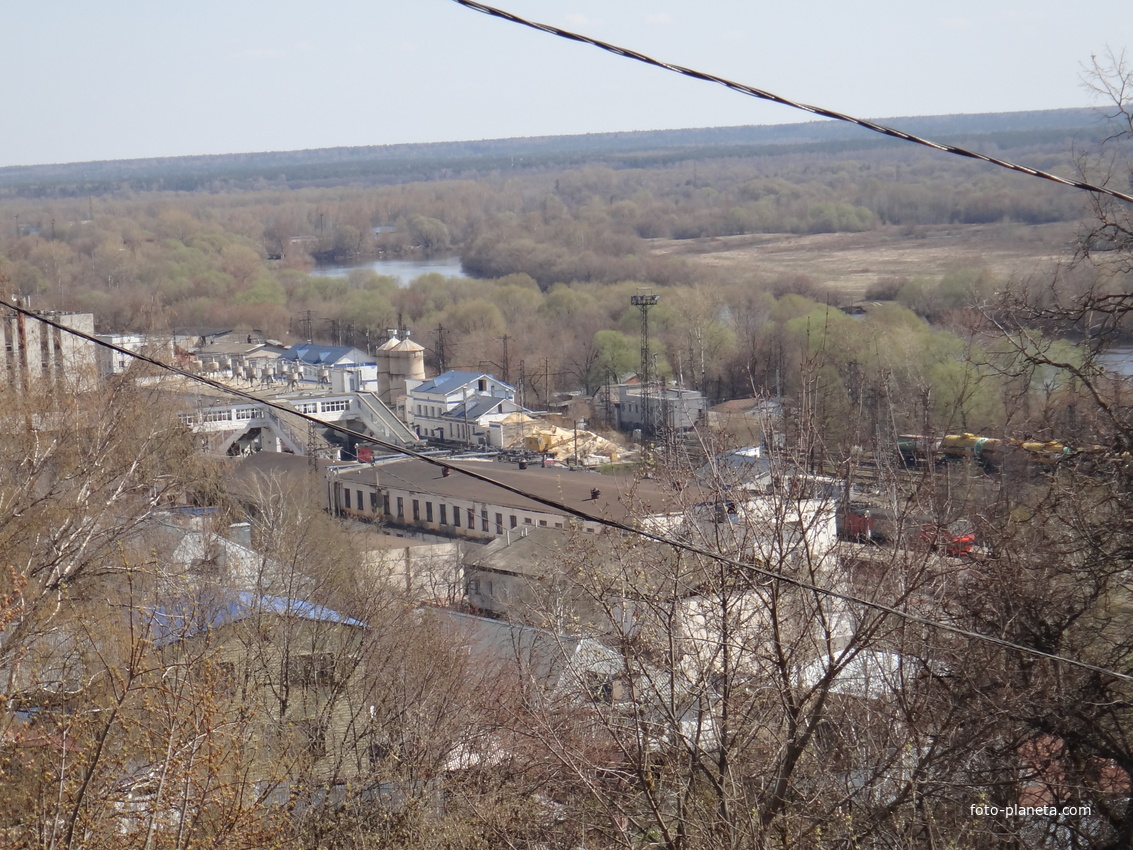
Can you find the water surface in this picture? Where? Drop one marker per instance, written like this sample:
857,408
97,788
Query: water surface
404,270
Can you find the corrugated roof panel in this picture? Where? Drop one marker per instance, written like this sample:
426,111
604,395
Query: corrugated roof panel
189,617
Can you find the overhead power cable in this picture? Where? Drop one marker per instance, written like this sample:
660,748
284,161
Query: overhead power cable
751,91
751,567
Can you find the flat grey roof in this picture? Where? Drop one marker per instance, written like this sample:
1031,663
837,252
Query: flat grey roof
620,498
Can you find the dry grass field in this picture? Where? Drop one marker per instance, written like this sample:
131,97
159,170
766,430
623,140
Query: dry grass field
851,263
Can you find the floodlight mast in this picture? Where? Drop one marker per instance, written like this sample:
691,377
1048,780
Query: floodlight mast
643,301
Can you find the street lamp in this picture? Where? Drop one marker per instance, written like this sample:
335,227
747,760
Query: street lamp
577,422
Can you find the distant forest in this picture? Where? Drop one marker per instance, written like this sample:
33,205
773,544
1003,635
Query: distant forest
1049,131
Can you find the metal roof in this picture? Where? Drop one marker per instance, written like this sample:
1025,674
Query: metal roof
326,355
543,656
476,407
620,498
453,380
189,617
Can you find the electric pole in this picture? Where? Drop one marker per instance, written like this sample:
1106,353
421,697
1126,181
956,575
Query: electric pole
442,365
643,301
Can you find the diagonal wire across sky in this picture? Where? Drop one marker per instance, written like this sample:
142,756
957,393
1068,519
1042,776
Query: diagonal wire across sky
752,91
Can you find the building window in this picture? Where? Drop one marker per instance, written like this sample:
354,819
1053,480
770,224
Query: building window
307,671
601,687
455,516
542,523
444,514
226,678
416,511
400,508
484,519
527,520
338,404
385,503
428,512
209,566
514,520
499,523
346,499
374,504
360,501
246,413
311,734
558,525
218,416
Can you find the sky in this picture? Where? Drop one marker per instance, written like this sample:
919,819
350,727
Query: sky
123,79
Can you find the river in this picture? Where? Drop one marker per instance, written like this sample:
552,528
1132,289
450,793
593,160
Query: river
404,270
1119,359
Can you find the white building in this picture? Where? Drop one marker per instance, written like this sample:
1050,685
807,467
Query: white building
770,508
111,362
245,427
38,356
461,407
338,367
662,409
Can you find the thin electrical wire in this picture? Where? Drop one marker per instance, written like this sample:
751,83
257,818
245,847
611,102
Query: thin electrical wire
763,571
751,91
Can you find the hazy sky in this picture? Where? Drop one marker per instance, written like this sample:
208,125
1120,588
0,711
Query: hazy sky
120,79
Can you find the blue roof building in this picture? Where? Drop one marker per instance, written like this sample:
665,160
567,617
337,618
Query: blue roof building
460,406
192,617
341,367
454,383
293,672
326,355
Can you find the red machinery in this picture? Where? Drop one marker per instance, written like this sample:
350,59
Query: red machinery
861,522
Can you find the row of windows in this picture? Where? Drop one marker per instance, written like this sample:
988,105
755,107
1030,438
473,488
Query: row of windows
241,414
246,413
442,514
360,502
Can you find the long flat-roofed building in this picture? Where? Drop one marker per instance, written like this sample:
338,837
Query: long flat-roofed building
418,496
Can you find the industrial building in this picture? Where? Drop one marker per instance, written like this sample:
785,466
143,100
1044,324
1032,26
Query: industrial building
38,356
400,362
464,407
